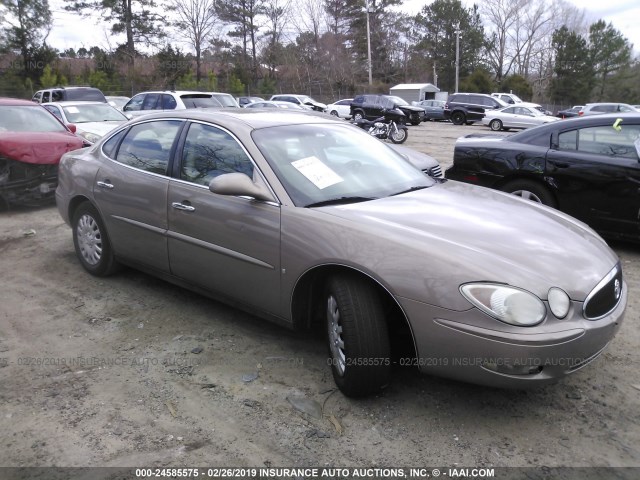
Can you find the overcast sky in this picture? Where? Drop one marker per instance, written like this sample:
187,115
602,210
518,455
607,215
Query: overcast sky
70,30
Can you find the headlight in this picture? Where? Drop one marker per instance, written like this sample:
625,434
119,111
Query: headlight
90,137
507,304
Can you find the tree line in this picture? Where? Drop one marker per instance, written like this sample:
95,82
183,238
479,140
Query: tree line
543,50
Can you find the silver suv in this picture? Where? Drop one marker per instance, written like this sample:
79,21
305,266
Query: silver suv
598,108
160,101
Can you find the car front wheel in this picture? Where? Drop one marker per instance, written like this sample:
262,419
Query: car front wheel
334,113
91,241
358,115
495,125
358,336
530,190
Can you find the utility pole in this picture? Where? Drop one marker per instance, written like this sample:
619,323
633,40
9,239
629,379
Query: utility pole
457,54
435,75
369,46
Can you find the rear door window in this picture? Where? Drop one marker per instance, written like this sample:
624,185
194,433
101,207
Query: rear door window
603,140
151,101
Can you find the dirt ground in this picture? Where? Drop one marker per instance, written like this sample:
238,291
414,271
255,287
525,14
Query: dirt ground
132,371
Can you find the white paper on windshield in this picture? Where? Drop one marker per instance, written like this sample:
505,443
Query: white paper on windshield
73,110
317,172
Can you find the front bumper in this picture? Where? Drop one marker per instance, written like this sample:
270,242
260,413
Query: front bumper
27,184
450,344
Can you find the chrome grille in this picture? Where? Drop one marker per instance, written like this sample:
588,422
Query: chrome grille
605,296
434,171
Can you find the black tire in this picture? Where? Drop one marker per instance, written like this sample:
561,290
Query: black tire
358,337
400,136
458,118
531,190
358,115
415,123
92,242
334,113
495,125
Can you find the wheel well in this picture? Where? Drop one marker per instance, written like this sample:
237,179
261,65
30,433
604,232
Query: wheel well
75,203
500,184
307,309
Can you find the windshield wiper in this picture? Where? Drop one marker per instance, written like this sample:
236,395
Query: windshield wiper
339,200
411,189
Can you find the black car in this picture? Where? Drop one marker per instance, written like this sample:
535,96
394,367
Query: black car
570,112
371,107
587,167
469,108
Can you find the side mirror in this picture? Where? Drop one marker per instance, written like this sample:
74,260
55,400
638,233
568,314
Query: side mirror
72,128
239,185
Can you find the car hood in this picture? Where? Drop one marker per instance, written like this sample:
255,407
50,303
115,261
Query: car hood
453,233
317,104
42,148
98,128
410,108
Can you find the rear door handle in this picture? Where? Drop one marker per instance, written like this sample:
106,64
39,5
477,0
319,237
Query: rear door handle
181,206
105,184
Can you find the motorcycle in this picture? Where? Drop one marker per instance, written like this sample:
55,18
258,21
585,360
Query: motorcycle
390,125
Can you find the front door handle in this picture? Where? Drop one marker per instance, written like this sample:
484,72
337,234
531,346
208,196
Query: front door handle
105,184
181,206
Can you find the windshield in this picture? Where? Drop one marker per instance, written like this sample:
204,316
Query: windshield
28,119
199,100
225,99
319,163
84,94
398,100
93,113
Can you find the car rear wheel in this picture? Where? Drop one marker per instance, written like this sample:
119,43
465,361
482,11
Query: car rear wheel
530,190
458,118
358,336
92,242
495,125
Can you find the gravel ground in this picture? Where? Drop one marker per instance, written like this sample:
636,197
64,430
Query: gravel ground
132,371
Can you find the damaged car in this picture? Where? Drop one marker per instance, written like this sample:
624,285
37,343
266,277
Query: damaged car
31,144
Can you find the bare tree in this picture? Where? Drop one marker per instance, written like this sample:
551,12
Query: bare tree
500,17
196,21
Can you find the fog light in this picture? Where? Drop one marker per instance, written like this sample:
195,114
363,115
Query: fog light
508,369
559,302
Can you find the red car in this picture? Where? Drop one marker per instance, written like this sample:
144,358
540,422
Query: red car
32,141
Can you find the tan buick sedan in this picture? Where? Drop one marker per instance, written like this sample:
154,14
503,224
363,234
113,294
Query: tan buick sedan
301,218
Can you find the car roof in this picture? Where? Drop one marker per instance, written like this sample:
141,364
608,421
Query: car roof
71,103
574,122
16,102
605,103
177,92
252,118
